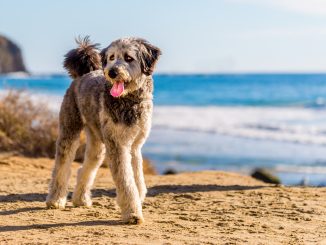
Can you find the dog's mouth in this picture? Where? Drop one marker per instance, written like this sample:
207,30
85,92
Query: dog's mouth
117,88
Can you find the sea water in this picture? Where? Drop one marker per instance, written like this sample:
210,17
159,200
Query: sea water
226,122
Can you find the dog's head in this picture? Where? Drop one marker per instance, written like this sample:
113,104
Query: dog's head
127,62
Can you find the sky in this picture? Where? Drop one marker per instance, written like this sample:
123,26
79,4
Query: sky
196,36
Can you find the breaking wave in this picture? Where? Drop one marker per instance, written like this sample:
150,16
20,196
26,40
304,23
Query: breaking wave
290,124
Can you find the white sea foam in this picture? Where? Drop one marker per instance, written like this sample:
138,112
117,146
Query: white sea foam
300,125
289,124
300,169
16,75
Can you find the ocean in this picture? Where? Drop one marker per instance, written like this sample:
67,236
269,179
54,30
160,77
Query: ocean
225,122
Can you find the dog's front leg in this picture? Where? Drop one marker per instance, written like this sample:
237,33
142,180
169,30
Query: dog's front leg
127,192
137,165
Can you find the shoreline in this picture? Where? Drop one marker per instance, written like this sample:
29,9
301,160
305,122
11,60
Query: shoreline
293,163
222,142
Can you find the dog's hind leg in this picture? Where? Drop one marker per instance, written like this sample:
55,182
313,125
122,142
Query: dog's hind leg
65,153
67,144
95,152
127,192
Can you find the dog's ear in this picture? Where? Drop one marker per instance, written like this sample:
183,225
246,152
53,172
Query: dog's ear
103,57
148,56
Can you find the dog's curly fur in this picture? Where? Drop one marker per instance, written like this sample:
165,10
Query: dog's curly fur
116,128
83,59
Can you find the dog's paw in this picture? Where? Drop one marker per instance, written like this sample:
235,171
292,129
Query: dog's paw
133,219
136,220
56,204
82,202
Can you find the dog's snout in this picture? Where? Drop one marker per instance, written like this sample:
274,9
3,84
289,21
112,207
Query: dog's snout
113,73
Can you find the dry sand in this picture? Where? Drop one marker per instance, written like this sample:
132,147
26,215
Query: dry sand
191,208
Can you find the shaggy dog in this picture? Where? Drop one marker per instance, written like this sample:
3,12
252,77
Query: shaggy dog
111,99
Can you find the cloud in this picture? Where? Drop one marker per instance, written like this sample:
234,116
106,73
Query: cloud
310,7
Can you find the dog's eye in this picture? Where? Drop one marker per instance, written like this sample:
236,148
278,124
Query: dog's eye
111,57
128,58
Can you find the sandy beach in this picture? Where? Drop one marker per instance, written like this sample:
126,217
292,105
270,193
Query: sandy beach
207,207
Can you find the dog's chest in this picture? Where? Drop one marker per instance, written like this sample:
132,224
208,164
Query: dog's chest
125,110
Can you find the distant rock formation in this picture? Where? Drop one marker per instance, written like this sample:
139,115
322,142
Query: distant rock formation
11,59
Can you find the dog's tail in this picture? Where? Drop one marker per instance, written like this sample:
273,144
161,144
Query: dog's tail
84,59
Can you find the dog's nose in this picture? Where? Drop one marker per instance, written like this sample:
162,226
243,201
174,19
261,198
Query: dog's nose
113,73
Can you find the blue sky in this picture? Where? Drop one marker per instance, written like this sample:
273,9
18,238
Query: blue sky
196,36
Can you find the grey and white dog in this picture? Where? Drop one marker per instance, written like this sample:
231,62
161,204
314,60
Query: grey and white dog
111,99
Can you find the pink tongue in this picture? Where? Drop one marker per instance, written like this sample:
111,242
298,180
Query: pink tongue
117,89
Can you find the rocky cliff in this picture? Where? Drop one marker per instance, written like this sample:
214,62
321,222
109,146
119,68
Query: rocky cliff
11,59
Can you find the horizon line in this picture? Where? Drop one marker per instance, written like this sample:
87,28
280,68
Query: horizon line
187,73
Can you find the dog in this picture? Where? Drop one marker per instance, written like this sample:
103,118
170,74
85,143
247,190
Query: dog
110,98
